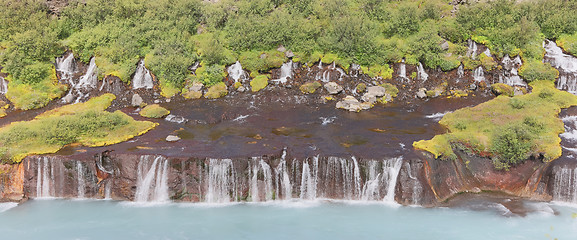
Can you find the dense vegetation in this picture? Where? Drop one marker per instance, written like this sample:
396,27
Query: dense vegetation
507,129
84,123
173,34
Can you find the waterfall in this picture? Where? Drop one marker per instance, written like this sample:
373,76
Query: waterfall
221,181
90,79
309,180
236,72
510,75
566,64
153,178
3,85
421,73
283,183
80,178
479,74
286,71
108,189
66,66
44,178
403,69
472,52
487,53
371,190
259,165
565,185
460,71
416,188
391,170
142,77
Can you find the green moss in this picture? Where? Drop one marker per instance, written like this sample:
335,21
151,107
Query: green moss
487,62
502,89
533,70
310,87
391,89
259,83
502,128
154,111
361,88
83,123
217,91
568,43
384,71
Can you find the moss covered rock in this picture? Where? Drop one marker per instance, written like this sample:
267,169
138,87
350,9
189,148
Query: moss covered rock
310,87
154,111
259,83
361,87
217,91
502,89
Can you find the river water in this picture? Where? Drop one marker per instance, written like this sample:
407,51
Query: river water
84,219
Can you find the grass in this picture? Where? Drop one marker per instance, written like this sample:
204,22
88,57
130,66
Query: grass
154,111
86,124
506,129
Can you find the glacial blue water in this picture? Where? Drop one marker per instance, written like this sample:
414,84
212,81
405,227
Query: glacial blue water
76,219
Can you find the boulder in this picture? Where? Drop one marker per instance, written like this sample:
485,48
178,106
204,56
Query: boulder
136,100
350,103
289,54
241,89
369,98
445,46
172,138
376,91
422,93
333,88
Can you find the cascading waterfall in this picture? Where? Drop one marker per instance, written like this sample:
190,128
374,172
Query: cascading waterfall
81,181
3,86
371,189
90,79
565,185
221,181
87,81
460,71
309,180
142,77
259,165
108,190
421,73
416,186
472,52
236,73
44,178
403,69
566,64
479,74
391,170
65,65
153,178
286,71
510,75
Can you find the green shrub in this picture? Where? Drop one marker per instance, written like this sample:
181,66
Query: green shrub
536,70
512,145
517,103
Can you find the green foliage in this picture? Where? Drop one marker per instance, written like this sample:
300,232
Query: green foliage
568,43
506,129
390,89
502,89
210,75
536,70
70,124
154,111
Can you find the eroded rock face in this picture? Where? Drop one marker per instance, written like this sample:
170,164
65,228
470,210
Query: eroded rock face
11,180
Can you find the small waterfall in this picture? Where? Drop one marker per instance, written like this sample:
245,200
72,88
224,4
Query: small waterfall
3,85
487,53
472,52
566,64
421,73
403,69
286,71
283,183
510,75
259,165
153,178
66,66
565,185
142,77
44,178
81,181
460,71
309,180
391,170
221,181
479,74
416,188
236,72
108,190
371,189
90,79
